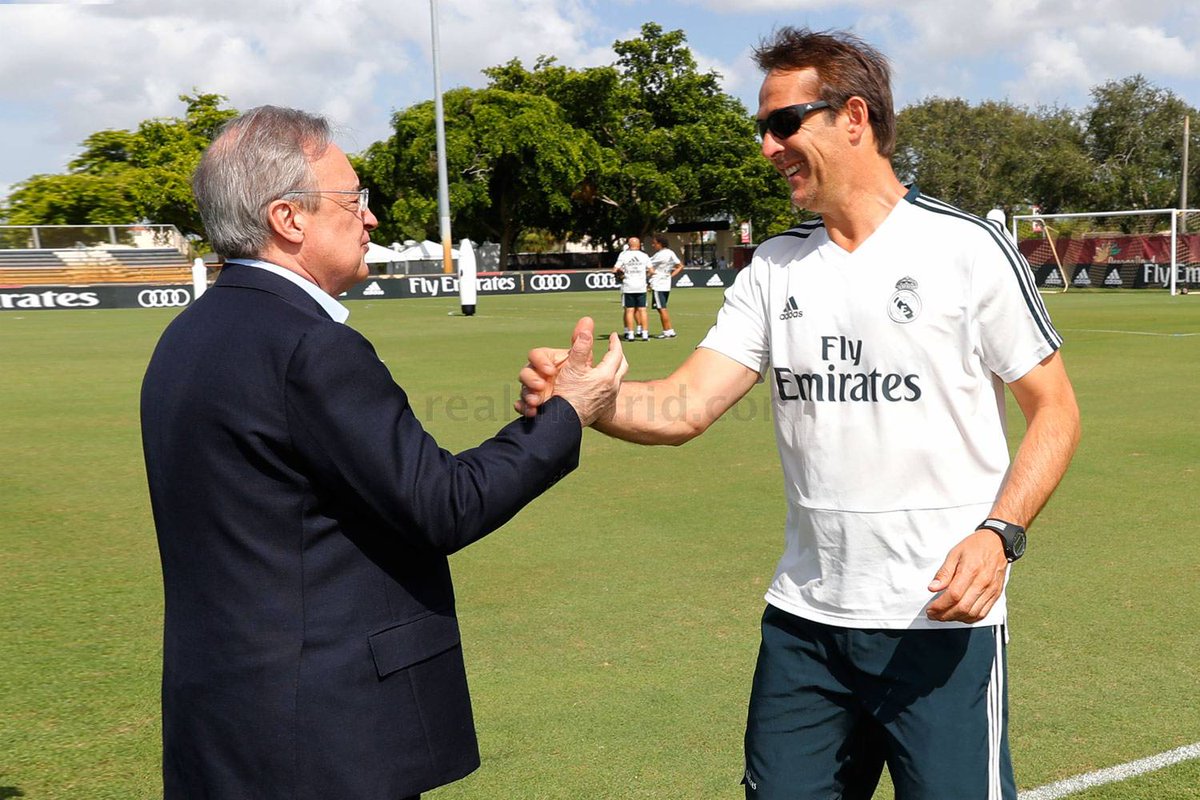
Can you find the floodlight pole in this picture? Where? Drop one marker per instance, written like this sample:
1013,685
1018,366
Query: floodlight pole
440,128
1174,249
1187,140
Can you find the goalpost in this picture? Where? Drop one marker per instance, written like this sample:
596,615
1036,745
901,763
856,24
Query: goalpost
1130,249
1066,284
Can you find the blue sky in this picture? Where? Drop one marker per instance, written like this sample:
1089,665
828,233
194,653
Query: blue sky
68,69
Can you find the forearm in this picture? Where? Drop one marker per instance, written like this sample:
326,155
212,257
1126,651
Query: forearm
654,412
1042,458
678,408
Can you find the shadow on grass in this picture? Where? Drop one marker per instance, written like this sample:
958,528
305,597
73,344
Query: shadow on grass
7,792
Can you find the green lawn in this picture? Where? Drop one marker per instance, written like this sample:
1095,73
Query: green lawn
610,630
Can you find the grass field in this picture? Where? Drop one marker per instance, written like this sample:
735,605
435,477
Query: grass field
610,630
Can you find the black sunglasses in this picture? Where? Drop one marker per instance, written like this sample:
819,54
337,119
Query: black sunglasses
783,122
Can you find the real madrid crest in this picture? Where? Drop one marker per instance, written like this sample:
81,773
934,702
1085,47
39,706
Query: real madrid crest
905,305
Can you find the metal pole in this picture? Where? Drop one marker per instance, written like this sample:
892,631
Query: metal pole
1187,140
440,127
1174,245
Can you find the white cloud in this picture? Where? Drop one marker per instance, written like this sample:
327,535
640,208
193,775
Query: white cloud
85,69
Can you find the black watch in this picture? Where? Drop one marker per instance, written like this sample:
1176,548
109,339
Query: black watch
1010,533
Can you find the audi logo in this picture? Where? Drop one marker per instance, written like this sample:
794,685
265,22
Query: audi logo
163,298
550,283
601,280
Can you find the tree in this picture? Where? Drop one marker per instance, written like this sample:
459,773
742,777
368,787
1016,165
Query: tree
1135,137
513,163
124,177
992,155
673,146
602,153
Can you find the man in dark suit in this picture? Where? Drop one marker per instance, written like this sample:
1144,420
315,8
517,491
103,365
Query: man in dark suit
304,517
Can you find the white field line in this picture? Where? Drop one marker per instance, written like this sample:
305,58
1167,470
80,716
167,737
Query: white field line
1121,772
1131,333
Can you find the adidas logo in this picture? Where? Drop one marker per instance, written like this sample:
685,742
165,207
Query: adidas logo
374,290
684,282
791,310
715,280
1113,279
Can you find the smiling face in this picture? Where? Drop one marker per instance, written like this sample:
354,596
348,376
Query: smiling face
336,237
809,158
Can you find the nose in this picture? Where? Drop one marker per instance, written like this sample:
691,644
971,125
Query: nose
370,221
770,145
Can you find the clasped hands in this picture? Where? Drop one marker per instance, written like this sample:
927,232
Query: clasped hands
590,389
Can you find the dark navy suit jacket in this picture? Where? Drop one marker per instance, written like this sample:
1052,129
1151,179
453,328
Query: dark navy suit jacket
304,517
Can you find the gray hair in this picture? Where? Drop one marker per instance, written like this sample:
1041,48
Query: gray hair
256,158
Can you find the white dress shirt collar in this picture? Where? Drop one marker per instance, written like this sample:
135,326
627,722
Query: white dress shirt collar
336,311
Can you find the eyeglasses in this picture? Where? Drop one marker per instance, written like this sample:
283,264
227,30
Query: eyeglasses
783,122
364,195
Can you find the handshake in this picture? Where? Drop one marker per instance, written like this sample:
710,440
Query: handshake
570,374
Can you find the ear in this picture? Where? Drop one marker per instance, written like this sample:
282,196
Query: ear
287,221
858,121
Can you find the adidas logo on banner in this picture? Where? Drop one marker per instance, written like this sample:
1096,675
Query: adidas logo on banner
715,280
1053,279
684,282
791,310
374,290
1082,278
1113,278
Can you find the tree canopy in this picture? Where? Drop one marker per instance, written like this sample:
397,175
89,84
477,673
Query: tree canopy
603,152
513,160
1135,138
1123,152
993,154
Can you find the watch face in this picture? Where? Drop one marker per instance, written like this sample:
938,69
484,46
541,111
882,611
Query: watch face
1018,545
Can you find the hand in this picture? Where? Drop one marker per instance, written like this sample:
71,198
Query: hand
591,391
537,378
970,579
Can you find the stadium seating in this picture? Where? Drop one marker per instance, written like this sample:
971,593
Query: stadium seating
88,266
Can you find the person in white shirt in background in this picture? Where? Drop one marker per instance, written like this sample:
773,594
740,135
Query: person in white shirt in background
631,269
664,266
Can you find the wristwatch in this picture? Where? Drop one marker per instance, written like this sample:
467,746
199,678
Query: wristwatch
1010,533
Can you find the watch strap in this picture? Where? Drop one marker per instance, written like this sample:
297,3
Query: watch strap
1012,534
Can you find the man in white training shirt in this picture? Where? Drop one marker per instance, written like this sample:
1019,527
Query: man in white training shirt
631,269
664,265
883,638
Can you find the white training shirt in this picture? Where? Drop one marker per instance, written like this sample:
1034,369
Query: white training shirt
634,262
663,262
887,368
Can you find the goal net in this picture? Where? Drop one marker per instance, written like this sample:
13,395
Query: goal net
1120,249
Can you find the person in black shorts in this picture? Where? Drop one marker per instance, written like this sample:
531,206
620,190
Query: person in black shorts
664,266
884,636
631,269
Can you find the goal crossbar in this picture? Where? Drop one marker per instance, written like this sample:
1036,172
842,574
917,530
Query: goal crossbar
1174,214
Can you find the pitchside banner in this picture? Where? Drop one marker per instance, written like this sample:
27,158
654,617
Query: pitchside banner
1129,261
40,298
37,298
405,286
1117,276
